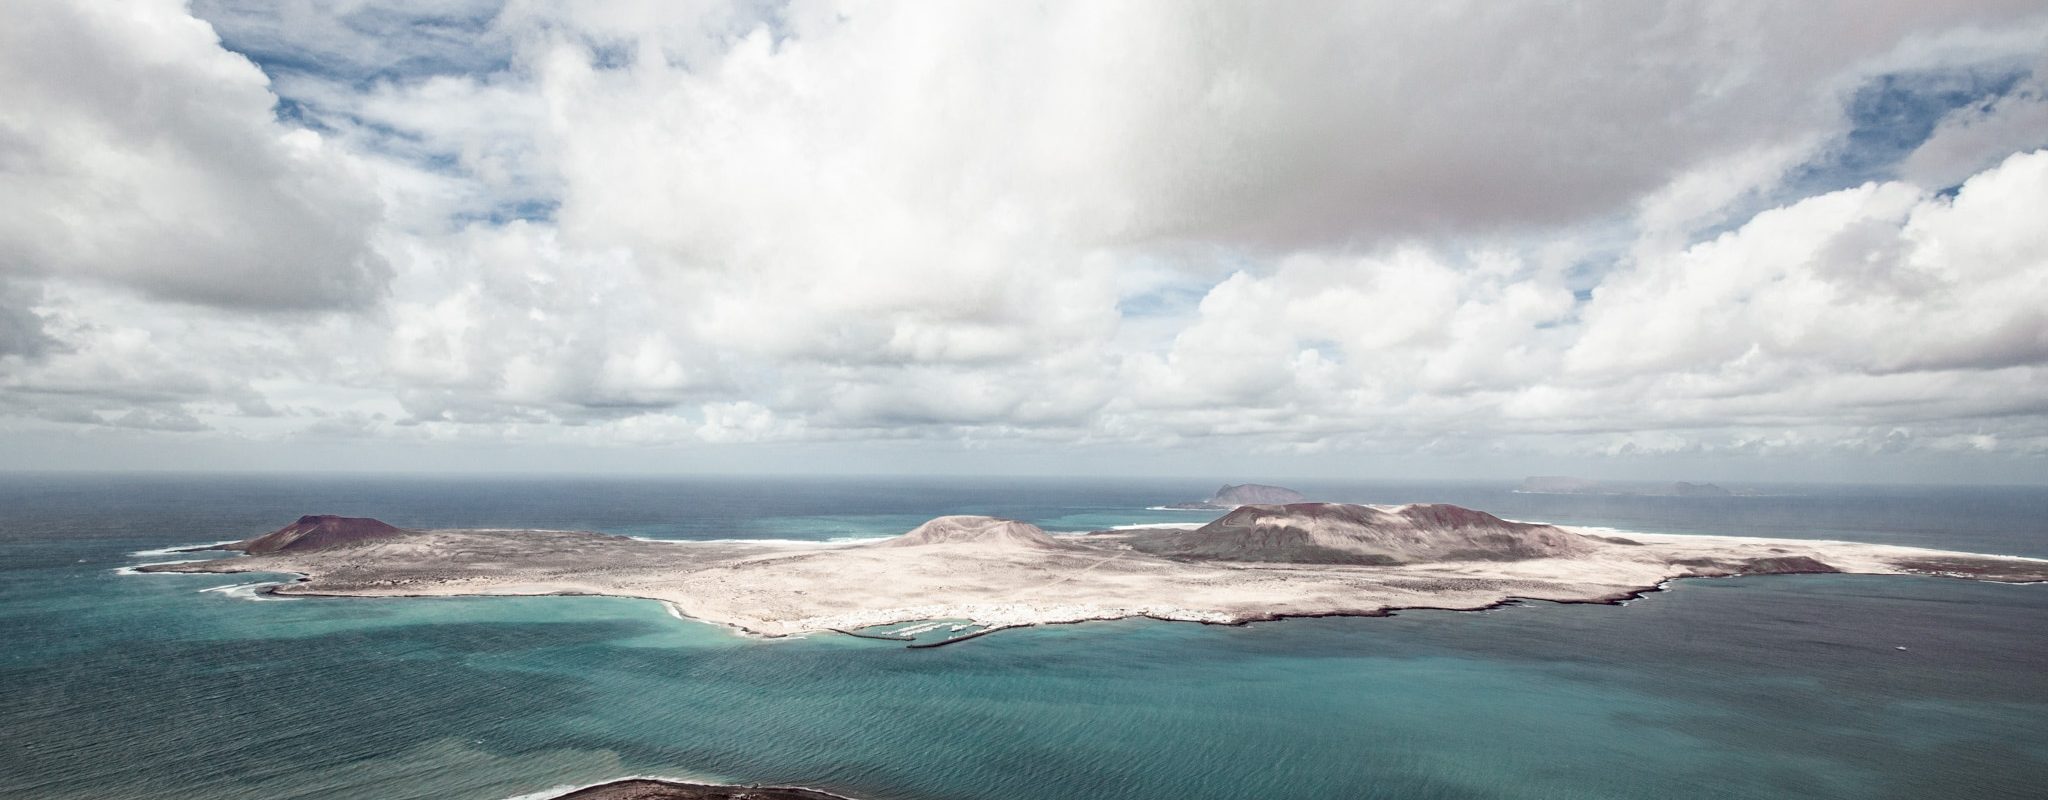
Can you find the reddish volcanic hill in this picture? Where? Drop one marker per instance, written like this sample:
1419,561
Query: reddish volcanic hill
1338,533
316,532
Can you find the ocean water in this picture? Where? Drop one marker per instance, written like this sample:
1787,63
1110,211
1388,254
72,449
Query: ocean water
189,686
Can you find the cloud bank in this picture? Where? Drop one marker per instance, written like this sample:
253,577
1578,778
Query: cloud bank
1354,235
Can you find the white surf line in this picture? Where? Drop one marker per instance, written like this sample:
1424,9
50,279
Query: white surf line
1662,586
132,569
179,549
244,591
676,610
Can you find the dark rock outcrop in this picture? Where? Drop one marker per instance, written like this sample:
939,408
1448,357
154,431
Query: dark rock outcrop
1787,565
317,532
1977,568
1768,565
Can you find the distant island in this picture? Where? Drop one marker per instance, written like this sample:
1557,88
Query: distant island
1242,494
960,577
1559,484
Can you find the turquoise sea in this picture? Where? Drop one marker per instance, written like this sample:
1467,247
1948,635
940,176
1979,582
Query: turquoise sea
164,686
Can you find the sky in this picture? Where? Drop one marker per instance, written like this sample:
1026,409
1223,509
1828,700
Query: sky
1738,241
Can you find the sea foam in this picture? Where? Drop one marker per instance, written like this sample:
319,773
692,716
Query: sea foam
243,591
179,549
131,569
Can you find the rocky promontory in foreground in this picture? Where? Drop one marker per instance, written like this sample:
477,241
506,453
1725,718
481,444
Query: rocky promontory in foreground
1560,484
971,575
1244,494
651,789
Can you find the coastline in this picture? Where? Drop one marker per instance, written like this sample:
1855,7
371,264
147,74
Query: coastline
651,788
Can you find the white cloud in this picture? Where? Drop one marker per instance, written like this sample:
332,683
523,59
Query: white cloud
495,321
744,422
1876,279
1460,232
136,151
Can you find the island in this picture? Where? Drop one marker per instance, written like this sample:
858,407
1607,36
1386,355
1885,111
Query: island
960,577
1242,494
